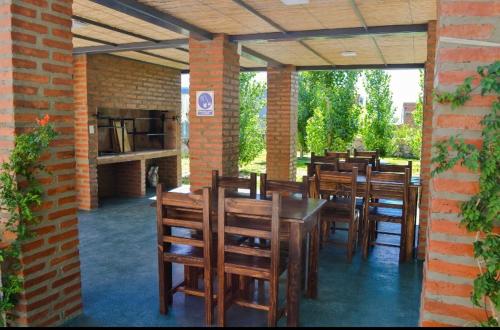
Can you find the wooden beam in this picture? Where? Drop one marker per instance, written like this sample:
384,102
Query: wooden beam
154,16
134,46
330,33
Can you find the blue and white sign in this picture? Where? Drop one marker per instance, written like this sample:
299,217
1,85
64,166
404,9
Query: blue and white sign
205,103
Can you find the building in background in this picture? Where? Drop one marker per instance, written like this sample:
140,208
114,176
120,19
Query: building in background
408,110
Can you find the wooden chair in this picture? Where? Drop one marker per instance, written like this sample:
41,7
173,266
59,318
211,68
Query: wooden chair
386,200
339,188
393,168
364,160
234,183
189,244
348,166
249,261
284,187
390,168
319,159
337,154
368,154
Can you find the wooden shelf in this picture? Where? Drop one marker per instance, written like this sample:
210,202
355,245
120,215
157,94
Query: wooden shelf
136,155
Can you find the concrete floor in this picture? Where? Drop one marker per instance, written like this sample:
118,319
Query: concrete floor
120,286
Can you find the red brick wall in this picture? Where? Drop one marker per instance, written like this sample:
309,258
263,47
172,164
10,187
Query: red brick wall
450,268
122,179
213,141
282,108
425,159
108,81
36,70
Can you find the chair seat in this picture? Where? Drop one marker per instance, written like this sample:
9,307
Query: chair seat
387,214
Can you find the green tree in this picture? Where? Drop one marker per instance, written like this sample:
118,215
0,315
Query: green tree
252,127
418,114
378,128
337,97
308,101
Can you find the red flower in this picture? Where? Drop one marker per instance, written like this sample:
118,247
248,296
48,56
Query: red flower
44,121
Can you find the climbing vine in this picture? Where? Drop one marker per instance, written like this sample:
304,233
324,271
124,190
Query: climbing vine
480,214
20,192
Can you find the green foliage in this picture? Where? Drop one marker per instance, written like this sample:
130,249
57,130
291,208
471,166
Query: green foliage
19,200
418,114
316,132
336,98
252,127
308,101
481,213
407,141
378,128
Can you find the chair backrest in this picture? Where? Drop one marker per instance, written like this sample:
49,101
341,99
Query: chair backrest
284,187
365,160
366,153
382,187
337,154
326,159
188,211
234,183
348,166
338,184
313,186
393,168
244,213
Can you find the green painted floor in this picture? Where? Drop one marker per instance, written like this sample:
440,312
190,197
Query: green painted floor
120,286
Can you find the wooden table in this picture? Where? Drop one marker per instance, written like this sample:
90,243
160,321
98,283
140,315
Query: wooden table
302,217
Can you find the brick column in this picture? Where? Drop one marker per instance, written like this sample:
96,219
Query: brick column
282,108
213,141
425,159
36,70
86,143
450,268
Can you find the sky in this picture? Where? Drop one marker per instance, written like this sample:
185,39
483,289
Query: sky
404,87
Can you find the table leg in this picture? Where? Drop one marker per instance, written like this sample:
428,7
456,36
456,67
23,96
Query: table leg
312,282
294,274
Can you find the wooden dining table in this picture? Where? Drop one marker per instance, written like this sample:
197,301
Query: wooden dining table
301,216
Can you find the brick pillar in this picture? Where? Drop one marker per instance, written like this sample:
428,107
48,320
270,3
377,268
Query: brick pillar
86,143
425,159
36,70
282,108
450,268
213,141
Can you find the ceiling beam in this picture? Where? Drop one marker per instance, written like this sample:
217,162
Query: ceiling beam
133,46
361,18
85,50
342,67
278,27
330,33
112,28
156,17
361,67
258,57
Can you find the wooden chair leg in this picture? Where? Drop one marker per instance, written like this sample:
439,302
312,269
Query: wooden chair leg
273,303
221,298
360,229
366,234
209,309
350,241
164,287
324,230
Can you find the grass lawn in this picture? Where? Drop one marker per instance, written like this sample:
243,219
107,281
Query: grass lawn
259,166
